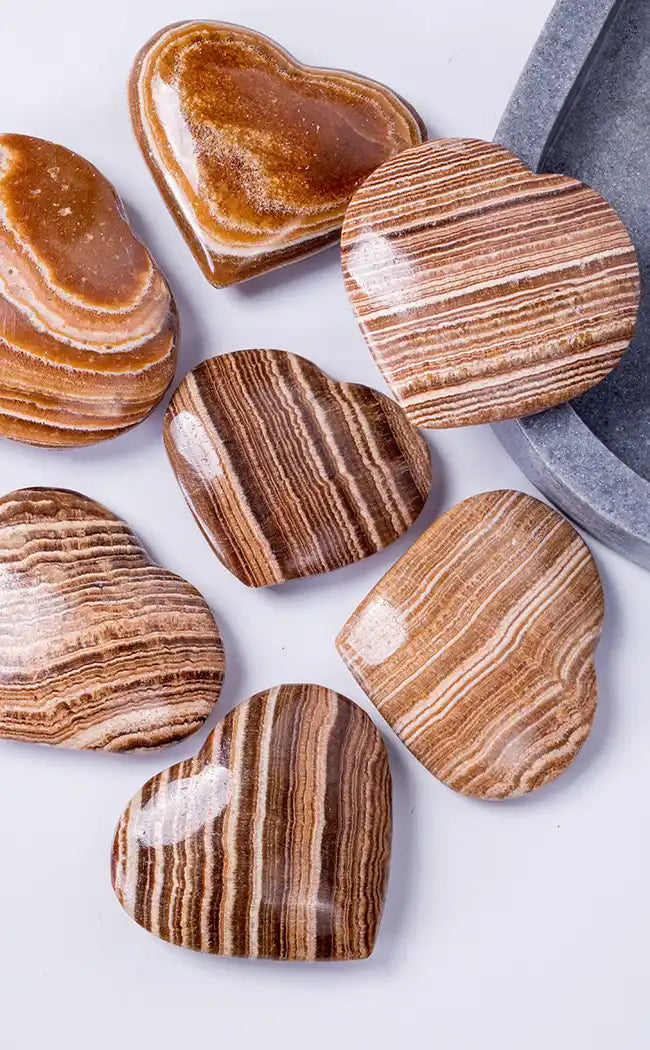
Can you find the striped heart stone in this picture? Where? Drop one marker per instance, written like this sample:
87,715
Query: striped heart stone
485,291
273,842
88,326
100,648
288,472
477,646
255,154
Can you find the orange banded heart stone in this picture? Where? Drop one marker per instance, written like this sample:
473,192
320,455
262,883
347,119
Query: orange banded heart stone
255,154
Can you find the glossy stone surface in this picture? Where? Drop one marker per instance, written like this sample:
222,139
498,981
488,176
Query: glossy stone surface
100,648
289,473
255,154
273,842
88,327
477,646
484,291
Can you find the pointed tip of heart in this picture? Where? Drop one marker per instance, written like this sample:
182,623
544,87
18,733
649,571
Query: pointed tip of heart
273,842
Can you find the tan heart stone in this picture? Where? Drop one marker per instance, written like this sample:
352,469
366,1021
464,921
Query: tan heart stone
485,291
477,645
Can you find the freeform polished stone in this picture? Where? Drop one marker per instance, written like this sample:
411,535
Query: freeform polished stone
255,154
100,648
289,473
477,646
486,291
88,327
273,842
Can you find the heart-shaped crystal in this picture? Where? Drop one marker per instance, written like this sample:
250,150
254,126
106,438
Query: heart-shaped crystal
274,841
485,291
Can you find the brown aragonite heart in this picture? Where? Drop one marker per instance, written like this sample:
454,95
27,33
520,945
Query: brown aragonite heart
100,647
88,327
273,842
484,291
289,473
255,154
477,646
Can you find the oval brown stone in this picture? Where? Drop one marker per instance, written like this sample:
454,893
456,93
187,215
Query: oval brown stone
88,327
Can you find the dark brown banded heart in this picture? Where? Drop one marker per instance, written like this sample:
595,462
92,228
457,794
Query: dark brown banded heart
255,154
88,326
273,842
288,472
100,648
484,291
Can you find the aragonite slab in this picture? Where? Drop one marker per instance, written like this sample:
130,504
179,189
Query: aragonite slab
88,327
485,291
273,842
289,473
477,646
100,648
255,154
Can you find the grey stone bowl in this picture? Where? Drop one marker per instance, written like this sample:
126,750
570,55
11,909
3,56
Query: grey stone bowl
582,108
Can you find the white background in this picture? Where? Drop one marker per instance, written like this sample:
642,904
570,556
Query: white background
507,926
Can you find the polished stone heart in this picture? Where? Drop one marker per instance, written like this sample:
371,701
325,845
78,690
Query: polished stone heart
273,842
100,648
88,327
484,291
255,154
477,646
289,473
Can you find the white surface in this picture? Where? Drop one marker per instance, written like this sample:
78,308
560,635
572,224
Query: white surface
511,926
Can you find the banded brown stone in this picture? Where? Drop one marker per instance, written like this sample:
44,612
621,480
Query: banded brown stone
477,646
289,473
100,647
255,154
485,291
88,326
273,842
